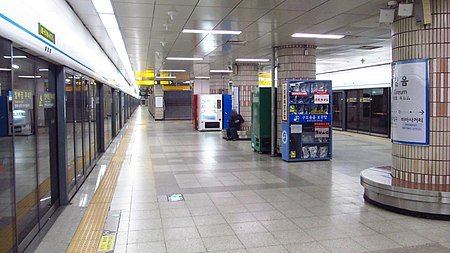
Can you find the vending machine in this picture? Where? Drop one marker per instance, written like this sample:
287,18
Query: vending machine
261,119
210,112
227,102
306,120
195,111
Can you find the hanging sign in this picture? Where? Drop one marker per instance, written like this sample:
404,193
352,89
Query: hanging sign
46,33
409,112
265,79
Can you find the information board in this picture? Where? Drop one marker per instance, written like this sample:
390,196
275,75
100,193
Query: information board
409,113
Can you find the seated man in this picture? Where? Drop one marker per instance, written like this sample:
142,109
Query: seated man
234,125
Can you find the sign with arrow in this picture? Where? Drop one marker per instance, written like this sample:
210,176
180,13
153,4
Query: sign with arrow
409,112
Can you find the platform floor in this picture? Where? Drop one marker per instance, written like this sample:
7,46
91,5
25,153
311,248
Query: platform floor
240,201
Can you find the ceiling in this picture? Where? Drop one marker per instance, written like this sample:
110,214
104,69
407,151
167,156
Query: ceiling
151,34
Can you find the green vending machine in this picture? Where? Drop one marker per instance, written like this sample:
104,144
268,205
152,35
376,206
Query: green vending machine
261,129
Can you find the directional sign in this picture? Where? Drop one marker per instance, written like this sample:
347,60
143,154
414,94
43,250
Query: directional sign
409,112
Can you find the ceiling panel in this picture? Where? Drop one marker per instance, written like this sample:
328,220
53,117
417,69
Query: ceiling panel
152,29
246,14
133,10
129,22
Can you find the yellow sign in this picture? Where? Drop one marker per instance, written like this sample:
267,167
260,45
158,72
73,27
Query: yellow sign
265,79
145,82
145,74
107,243
181,87
44,32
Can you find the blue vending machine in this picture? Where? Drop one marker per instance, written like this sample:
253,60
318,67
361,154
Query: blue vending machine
306,120
227,103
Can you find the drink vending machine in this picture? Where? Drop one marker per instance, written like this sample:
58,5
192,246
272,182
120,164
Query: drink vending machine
210,112
306,120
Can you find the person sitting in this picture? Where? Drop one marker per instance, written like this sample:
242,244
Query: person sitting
234,125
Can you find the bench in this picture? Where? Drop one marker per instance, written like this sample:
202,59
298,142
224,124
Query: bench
243,135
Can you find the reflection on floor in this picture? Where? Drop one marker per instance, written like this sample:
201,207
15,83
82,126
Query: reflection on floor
240,201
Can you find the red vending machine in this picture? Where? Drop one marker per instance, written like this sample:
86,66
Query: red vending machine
195,112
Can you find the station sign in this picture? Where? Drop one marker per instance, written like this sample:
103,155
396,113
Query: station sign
46,33
410,100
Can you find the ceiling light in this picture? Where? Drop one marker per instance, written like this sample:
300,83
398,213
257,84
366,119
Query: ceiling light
109,21
165,77
252,60
3,69
221,71
184,59
43,70
202,77
15,66
103,6
15,57
211,31
29,77
173,70
317,36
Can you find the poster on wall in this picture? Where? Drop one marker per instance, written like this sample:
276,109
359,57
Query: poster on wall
409,112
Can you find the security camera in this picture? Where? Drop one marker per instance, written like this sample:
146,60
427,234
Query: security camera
230,67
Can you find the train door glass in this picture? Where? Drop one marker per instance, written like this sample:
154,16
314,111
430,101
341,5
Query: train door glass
107,105
8,238
338,109
364,113
93,120
33,119
85,119
352,110
380,110
79,154
70,131
45,104
25,153
116,112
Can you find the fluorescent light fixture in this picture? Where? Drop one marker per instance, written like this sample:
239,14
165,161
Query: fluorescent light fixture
15,66
221,71
317,36
15,57
202,77
109,21
68,80
184,59
29,77
103,6
173,70
43,70
252,60
187,82
165,77
3,69
211,31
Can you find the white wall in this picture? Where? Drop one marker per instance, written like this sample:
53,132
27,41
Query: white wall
74,47
368,77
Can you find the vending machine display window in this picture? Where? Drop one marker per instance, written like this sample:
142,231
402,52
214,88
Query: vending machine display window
306,120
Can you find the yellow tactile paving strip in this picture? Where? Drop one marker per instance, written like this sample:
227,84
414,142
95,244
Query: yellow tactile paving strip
89,232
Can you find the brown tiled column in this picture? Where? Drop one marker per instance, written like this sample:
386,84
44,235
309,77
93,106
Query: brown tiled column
295,62
427,164
218,83
246,78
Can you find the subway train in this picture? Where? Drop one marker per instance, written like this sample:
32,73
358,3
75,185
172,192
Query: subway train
62,102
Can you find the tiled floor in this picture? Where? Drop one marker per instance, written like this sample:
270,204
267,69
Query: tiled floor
240,201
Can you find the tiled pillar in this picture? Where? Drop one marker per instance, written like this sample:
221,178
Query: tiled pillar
427,164
218,84
295,62
246,78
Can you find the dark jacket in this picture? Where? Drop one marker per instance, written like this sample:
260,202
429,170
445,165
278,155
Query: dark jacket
235,121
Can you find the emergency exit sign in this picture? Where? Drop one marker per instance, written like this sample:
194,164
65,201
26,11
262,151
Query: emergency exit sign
46,33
